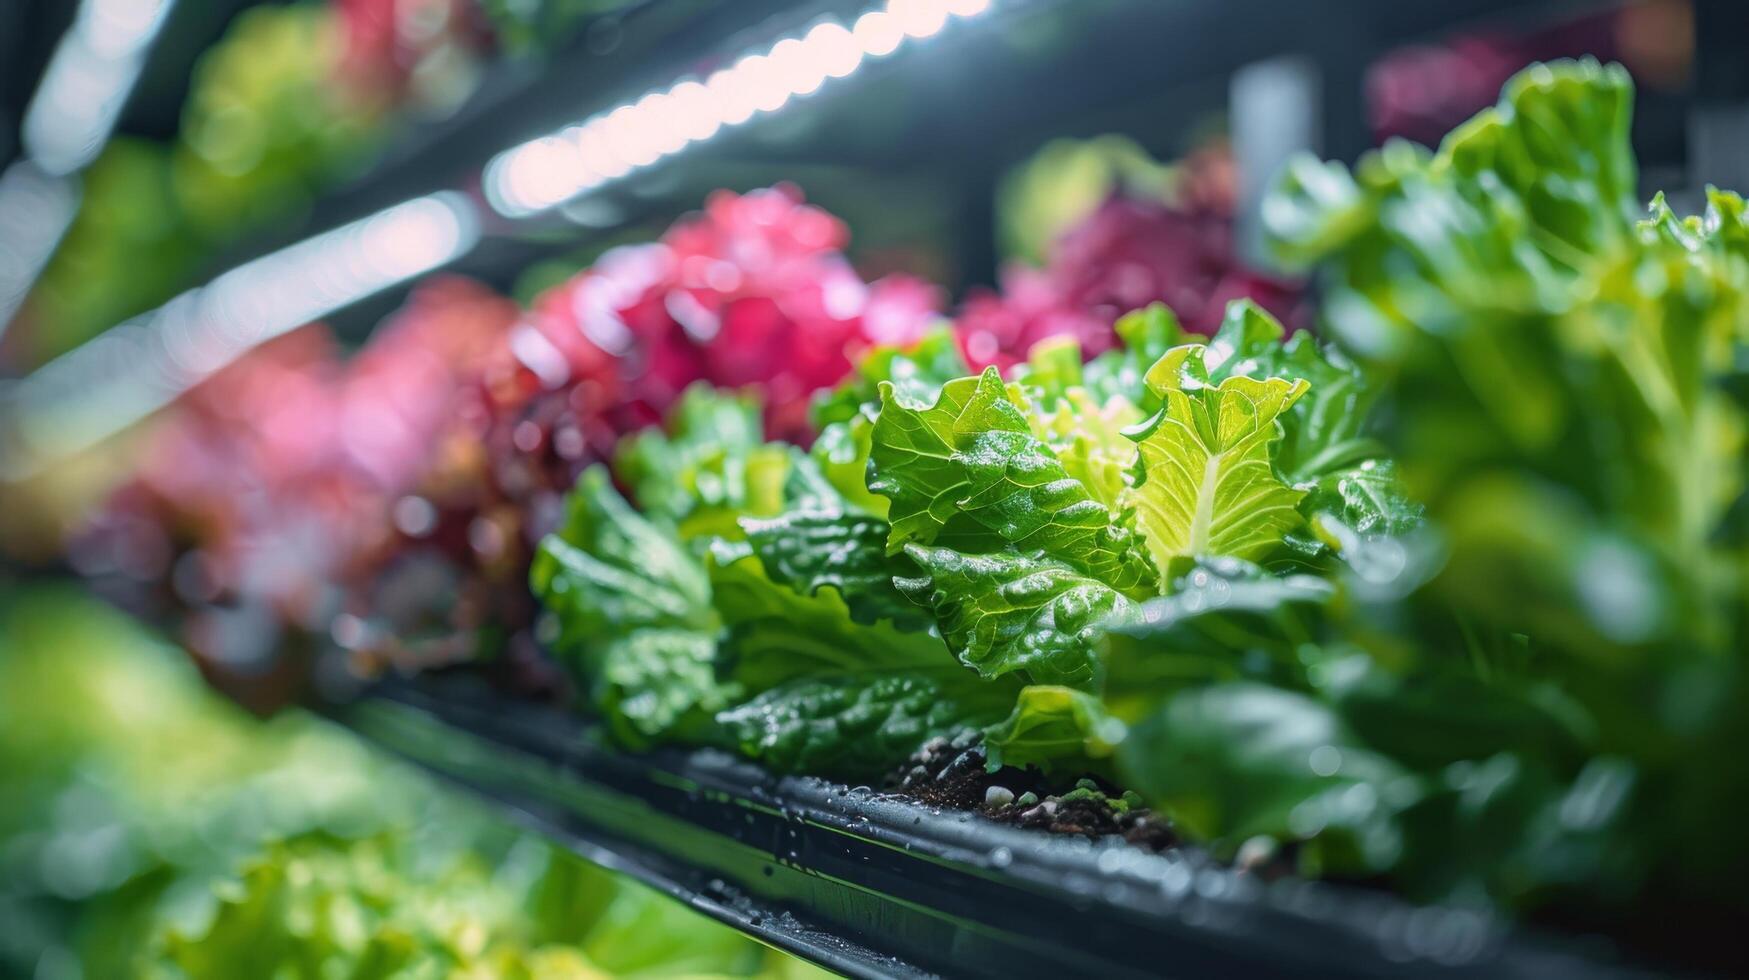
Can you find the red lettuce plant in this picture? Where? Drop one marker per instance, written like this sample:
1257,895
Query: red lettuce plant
1129,252
752,291
267,486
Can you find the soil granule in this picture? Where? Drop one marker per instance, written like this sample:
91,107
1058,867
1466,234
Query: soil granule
953,774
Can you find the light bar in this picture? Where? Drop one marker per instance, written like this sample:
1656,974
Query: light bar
88,80
549,171
35,211
129,371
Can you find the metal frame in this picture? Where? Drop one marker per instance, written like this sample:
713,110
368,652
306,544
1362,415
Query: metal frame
873,886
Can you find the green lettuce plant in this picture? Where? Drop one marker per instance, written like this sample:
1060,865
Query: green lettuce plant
1453,595
950,543
150,829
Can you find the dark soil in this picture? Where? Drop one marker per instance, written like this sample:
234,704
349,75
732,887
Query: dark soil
954,774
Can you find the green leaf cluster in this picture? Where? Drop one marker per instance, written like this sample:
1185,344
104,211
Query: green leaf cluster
951,554
1456,598
750,599
387,907
1564,389
150,829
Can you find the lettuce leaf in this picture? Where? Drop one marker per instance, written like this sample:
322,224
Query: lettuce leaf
844,688
775,632
709,466
1007,612
1367,498
916,374
393,905
968,472
810,549
657,684
1088,438
841,454
1054,727
846,415
1147,335
610,569
1562,386
857,725
1328,429
1204,483
633,614
1329,447
1232,761
1562,366
1223,619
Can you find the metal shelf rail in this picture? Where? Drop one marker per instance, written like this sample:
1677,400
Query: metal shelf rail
877,886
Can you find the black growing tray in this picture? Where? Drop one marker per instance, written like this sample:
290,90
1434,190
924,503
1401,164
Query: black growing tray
872,885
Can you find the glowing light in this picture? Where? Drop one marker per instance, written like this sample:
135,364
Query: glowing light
35,210
697,114
836,48
734,97
919,18
656,112
765,87
87,81
601,160
531,177
119,28
537,174
628,136
797,67
131,370
413,237
879,33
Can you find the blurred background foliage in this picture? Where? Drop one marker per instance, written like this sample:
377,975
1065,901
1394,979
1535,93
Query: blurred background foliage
270,119
149,828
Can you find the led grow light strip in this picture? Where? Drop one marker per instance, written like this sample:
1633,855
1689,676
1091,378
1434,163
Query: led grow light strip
88,80
36,209
135,368
66,124
549,171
